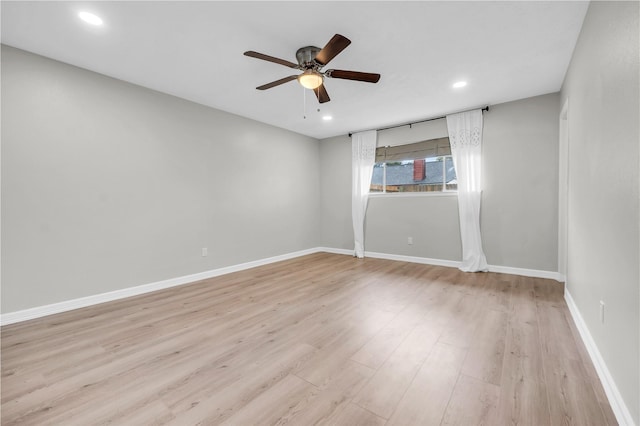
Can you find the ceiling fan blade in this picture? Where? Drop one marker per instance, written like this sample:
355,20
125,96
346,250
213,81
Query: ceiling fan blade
321,94
353,75
277,82
264,57
336,45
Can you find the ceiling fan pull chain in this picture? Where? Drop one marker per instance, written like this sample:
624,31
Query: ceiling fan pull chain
304,104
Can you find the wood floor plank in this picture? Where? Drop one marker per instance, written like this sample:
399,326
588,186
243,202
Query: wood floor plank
441,299
270,407
523,393
353,415
473,402
558,341
426,399
485,357
522,306
155,413
331,398
496,293
461,328
319,339
571,397
328,360
384,391
568,383
549,291
608,414
228,394
596,384
382,345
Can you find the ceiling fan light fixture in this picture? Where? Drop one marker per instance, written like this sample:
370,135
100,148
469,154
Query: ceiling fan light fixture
310,79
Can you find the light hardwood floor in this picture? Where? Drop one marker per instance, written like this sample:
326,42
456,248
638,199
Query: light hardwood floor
321,339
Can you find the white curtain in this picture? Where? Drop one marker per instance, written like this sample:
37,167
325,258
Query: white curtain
363,150
465,136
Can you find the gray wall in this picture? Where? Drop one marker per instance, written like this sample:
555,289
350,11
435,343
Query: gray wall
335,193
520,180
519,205
602,85
107,185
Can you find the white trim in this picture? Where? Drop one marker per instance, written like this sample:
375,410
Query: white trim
455,264
413,259
447,193
535,273
622,413
83,302
451,263
336,250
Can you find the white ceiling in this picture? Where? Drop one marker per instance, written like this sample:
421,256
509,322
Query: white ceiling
505,50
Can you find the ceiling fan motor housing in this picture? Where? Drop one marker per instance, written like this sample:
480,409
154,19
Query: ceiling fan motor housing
306,56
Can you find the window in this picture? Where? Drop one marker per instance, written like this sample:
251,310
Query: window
420,167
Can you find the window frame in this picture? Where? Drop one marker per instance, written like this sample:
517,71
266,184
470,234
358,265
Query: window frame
443,192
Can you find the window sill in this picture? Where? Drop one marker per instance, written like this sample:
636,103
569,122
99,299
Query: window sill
413,194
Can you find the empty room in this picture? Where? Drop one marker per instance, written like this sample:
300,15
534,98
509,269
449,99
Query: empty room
332,213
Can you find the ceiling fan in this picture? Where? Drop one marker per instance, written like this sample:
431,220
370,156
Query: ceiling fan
311,59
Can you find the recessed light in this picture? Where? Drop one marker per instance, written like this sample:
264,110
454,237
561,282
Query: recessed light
90,18
327,117
459,84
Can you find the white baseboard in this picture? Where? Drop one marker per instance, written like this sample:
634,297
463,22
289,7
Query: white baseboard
535,273
83,302
336,250
452,264
622,413
413,259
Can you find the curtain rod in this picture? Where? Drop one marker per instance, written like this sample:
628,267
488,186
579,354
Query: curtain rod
486,108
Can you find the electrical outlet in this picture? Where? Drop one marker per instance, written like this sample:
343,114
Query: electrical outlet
205,252
602,312
410,240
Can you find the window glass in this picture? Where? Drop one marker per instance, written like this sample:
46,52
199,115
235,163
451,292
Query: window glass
418,175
